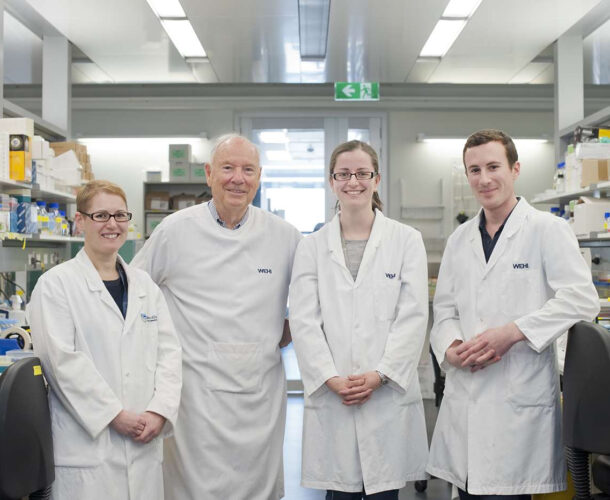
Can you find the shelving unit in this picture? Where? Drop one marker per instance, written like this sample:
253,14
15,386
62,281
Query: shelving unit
172,188
595,190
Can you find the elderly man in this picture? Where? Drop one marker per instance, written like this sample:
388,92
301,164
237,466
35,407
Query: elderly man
511,281
224,268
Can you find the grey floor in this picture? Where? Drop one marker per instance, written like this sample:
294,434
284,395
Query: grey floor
436,490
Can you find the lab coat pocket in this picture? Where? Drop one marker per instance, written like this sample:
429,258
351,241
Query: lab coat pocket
533,380
386,298
234,367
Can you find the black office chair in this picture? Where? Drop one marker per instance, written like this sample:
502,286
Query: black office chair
27,468
586,407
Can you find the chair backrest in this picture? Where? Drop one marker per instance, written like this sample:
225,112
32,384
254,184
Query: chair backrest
26,443
586,389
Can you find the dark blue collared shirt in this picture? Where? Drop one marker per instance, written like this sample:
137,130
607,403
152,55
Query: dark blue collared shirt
489,243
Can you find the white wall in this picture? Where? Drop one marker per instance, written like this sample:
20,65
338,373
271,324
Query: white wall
422,164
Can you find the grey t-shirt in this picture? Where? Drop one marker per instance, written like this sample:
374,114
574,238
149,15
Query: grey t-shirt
353,250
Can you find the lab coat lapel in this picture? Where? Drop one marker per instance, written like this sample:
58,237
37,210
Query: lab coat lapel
476,243
135,296
371,245
513,225
94,281
335,247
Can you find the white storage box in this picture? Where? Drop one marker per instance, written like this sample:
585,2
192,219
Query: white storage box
153,176
24,126
5,171
179,152
179,171
589,216
197,171
152,221
596,150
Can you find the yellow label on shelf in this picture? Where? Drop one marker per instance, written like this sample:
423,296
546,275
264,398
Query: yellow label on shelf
37,370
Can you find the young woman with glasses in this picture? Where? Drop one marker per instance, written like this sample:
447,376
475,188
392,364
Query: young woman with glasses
358,316
111,357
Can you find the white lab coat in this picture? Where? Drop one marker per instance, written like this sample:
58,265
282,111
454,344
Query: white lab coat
500,427
96,364
227,291
342,327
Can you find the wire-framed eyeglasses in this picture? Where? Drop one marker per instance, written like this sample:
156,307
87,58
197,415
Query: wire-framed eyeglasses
346,176
104,216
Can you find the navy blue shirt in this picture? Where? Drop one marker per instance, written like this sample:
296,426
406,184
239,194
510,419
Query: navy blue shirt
118,290
489,243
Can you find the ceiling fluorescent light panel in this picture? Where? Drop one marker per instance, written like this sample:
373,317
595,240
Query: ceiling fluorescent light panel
442,37
183,36
461,8
167,8
313,28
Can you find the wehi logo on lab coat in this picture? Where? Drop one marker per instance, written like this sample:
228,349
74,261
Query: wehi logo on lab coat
525,265
390,276
146,318
263,270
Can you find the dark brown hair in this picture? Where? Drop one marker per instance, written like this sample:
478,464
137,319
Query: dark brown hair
489,135
352,146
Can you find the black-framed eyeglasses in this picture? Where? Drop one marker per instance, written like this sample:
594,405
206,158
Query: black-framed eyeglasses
346,176
104,216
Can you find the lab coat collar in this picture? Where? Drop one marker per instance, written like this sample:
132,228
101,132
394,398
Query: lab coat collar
135,292
336,249
512,227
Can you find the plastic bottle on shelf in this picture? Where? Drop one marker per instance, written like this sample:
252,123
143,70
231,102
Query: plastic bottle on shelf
64,231
53,209
560,181
607,221
555,211
43,217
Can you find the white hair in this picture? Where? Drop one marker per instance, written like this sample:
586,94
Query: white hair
222,139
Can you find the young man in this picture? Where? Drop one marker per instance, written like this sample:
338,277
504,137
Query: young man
511,281
224,268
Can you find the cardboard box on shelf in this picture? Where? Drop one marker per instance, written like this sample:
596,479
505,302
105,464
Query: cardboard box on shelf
197,171
180,152
38,148
157,200
598,150
179,171
594,171
80,150
20,157
589,216
183,200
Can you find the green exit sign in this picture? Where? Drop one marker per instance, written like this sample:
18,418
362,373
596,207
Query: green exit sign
356,91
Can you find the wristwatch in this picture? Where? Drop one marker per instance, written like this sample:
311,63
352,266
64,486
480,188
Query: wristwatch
384,379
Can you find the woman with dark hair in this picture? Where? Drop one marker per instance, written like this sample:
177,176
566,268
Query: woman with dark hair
358,315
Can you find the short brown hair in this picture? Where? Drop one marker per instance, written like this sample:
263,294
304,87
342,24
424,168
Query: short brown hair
89,190
352,146
489,135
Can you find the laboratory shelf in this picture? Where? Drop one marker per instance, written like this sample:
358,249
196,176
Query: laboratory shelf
174,183
153,211
562,198
9,183
52,194
37,240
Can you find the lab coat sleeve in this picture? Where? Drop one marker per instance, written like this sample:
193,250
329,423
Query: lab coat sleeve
569,277
168,373
71,374
446,328
313,353
155,254
408,330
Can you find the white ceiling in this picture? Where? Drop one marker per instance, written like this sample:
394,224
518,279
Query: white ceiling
258,41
